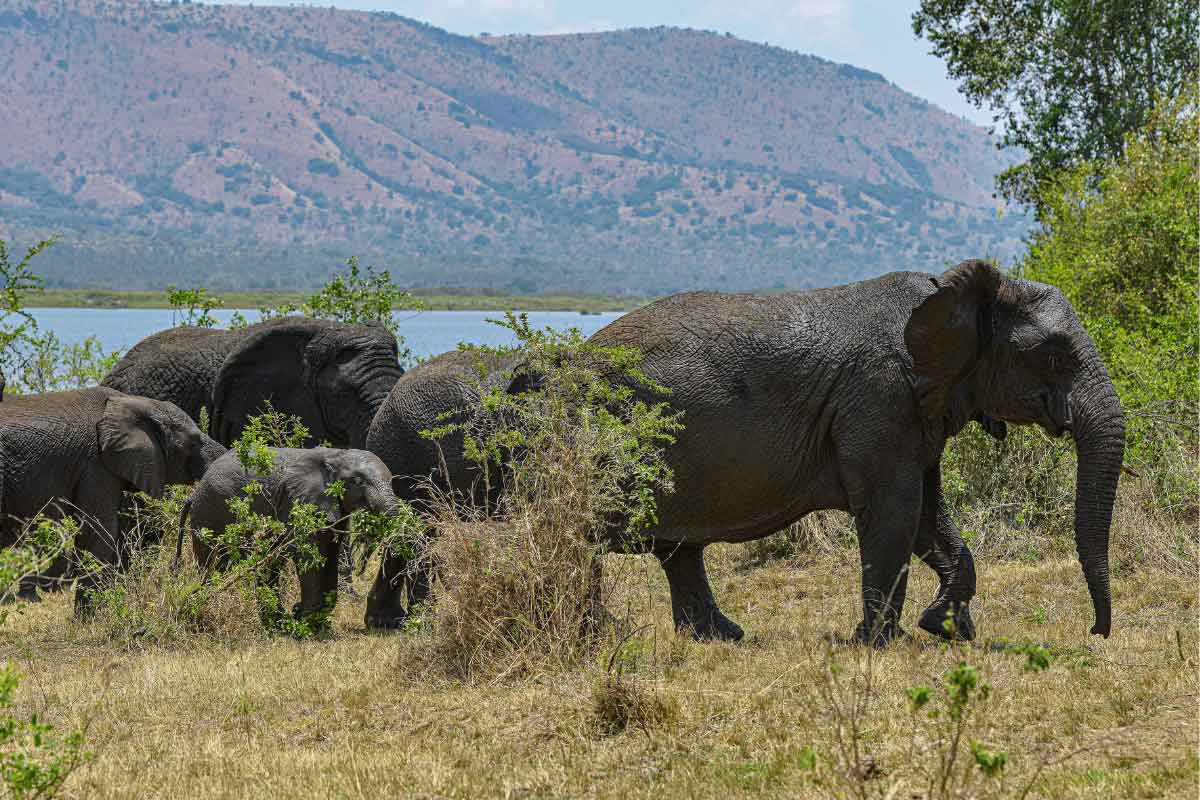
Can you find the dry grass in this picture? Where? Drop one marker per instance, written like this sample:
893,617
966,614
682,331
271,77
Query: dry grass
359,715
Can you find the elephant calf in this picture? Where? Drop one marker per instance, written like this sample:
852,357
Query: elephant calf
299,476
76,453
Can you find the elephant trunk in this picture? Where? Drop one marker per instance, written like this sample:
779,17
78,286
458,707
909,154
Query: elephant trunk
374,391
383,501
1098,427
210,451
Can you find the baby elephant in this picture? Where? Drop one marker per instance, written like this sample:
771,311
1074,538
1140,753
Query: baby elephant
299,476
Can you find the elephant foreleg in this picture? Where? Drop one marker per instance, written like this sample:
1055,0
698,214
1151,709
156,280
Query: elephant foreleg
887,527
384,611
102,540
319,582
939,544
692,603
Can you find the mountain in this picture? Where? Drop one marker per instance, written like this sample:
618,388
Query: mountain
252,147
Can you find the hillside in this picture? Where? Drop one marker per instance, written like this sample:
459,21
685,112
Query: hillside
253,148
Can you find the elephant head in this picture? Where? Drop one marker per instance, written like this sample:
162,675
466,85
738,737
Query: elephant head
1014,350
330,372
366,481
152,443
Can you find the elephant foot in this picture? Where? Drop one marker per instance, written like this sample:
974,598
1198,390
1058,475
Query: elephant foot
385,622
26,593
947,620
692,603
710,625
879,637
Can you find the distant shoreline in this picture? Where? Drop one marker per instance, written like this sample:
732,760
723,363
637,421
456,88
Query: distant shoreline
435,301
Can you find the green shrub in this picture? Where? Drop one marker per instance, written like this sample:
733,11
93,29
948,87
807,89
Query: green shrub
1126,254
35,757
580,458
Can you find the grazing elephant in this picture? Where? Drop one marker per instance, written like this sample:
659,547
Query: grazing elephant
76,452
330,374
416,403
299,476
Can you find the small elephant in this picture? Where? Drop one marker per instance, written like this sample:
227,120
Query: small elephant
332,375
76,452
299,476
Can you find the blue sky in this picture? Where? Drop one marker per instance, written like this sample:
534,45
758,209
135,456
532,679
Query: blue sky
874,34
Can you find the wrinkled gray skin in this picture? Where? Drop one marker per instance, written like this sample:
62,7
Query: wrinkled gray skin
415,404
300,476
844,398
82,449
330,374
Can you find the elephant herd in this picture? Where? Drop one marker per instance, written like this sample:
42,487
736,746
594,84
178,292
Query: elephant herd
840,398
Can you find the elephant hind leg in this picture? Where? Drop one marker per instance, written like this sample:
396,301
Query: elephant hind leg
939,544
692,603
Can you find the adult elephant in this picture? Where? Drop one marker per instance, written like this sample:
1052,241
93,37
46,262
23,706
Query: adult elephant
419,402
332,375
75,453
844,398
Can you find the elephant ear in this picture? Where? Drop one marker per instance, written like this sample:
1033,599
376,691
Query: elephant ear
130,442
269,365
946,333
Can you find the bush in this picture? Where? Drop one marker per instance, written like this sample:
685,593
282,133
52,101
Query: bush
1125,254
357,297
580,460
35,757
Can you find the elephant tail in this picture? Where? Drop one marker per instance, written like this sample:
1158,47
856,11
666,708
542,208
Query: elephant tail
183,515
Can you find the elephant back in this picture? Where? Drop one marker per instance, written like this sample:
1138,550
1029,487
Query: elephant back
179,365
34,431
415,404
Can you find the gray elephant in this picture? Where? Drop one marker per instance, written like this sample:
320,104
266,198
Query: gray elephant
299,476
418,402
76,452
332,375
844,398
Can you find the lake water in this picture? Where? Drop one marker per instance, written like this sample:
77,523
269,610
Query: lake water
427,333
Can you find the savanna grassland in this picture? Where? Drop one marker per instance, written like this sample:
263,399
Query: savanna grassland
513,682
362,715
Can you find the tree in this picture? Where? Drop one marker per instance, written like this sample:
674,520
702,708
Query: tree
1066,79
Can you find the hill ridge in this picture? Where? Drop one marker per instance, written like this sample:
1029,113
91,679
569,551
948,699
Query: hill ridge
258,145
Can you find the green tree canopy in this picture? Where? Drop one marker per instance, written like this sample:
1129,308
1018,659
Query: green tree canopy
1067,80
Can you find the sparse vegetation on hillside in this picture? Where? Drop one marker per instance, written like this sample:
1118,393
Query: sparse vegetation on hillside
292,136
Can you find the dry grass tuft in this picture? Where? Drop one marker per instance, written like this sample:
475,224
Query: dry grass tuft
619,704
512,595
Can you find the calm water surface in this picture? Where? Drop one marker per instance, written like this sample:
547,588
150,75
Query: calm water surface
427,333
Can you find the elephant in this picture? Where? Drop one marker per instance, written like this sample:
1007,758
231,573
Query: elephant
844,398
84,448
298,476
416,403
331,375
